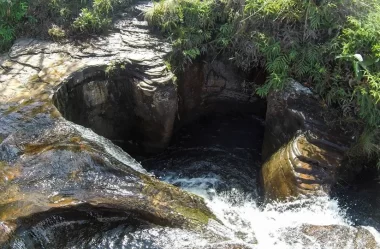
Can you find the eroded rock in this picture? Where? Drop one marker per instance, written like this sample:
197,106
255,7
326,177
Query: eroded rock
66,166
119,105
301,152
48,164
118,69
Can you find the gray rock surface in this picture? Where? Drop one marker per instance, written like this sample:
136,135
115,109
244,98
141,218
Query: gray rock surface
330,236
33,70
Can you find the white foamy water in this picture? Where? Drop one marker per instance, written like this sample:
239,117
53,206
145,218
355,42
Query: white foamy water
268,226
271,226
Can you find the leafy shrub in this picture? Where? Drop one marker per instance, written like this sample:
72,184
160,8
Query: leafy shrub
189,24
91,22
56,32
97,19
332,46
39,18
11,14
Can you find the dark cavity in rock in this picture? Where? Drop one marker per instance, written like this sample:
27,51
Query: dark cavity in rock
120,106
220,151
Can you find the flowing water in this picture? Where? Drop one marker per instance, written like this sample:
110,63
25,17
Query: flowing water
217,158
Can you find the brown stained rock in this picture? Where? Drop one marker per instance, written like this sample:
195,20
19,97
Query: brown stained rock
300,167
278,179
67,167
301,153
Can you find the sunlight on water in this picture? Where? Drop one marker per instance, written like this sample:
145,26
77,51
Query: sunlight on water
270,226
266,224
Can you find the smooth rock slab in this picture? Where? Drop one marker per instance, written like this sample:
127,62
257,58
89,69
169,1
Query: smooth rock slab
67,166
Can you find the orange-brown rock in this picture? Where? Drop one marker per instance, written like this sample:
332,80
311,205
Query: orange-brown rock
301,153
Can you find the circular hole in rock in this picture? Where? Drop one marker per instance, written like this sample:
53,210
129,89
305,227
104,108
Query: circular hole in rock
104,103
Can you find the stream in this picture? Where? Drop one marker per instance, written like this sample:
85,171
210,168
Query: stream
217,157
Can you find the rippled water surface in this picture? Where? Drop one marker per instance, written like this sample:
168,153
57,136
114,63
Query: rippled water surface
217,158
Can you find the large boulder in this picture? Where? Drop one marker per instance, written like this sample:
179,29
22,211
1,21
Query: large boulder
64,166
301,152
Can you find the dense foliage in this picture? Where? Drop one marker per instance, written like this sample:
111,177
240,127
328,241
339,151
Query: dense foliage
57,18
11,14
332,46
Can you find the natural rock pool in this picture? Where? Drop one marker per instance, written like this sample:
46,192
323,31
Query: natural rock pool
65,184
216,157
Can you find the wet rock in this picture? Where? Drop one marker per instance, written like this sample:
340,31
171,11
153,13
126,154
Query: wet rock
65,166
224,246
300,167
121,84
120,106
331,236
301,152
49,164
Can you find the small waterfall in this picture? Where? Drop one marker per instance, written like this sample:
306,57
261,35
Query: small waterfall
221,170
264,224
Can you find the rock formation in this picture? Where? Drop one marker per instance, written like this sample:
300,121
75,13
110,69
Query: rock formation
113,84
117,85
301,152
215,86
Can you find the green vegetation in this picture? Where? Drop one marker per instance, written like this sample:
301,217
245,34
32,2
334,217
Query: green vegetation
56,32
115,67
57,18
11,15
332,46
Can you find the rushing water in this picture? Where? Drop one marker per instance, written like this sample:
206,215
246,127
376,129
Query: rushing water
217,158
264,224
